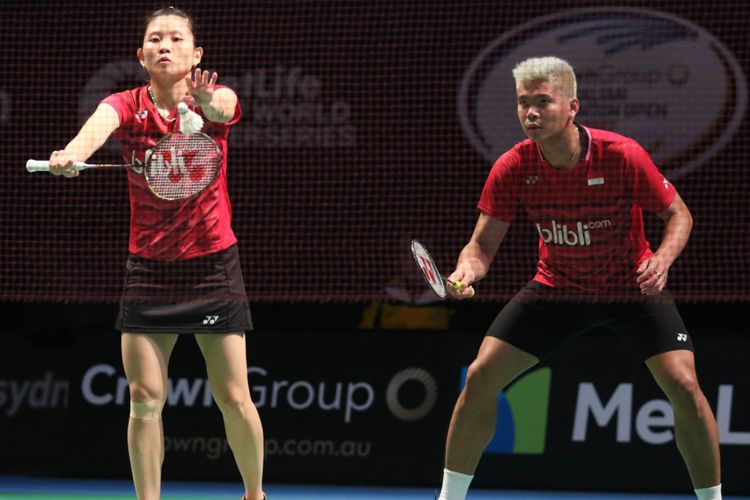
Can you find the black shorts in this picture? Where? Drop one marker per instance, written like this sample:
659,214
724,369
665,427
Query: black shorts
201,295
538,321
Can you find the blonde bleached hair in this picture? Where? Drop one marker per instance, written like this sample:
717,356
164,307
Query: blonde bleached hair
551,69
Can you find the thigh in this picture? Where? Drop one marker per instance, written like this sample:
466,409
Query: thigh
226,363
497,364
145,358
651,326
674,371
537,324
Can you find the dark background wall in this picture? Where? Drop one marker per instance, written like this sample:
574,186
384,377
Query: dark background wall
368,124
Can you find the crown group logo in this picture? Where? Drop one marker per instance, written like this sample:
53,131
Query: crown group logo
641,73
522,411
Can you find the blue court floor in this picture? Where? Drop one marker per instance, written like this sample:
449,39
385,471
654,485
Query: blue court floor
25,488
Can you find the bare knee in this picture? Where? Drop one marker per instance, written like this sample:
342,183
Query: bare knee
686,396
141,392
146,403
233,404
480,383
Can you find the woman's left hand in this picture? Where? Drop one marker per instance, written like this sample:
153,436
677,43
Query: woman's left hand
201,87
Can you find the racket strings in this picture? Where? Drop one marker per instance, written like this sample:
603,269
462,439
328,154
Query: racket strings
429,269
182,166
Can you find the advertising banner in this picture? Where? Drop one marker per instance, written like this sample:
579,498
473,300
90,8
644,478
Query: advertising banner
345,407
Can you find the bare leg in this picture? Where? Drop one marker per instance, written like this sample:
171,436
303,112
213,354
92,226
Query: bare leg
694,422
226,364
473,423
145,359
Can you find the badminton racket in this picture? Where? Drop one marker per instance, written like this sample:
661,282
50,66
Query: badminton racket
178,167
429,269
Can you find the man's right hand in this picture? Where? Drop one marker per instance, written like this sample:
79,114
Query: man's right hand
462,284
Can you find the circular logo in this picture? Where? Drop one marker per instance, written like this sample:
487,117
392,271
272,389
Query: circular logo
419,376
657,78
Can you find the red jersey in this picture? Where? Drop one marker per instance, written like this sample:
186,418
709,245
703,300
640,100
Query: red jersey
588,217
171,230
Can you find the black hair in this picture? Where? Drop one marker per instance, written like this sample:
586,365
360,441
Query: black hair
173,11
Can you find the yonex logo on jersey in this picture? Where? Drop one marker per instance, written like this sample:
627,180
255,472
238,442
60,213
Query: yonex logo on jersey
561,234
210,320
682,337
141,114
532,179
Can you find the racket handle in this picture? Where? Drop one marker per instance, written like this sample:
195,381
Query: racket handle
43,166
460,287
456,285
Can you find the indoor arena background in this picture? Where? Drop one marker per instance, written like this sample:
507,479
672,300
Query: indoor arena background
365,125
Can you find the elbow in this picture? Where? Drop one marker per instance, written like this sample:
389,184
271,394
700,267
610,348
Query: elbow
687,219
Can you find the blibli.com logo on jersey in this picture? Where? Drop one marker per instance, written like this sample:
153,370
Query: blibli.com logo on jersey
578,235
522,409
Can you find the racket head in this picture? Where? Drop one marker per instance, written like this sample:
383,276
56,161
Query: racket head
429,269
181,166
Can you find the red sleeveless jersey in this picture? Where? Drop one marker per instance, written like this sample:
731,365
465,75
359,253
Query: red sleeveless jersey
588,217
170,230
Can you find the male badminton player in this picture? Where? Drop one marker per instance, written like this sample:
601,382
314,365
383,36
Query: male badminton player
584,191
183,271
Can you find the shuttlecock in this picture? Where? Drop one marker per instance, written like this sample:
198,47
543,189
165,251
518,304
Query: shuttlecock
190,121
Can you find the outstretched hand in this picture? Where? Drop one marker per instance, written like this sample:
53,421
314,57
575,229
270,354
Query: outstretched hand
200,87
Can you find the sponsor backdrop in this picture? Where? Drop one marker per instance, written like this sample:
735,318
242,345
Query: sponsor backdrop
371,408
369,123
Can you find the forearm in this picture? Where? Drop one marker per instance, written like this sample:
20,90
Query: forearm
220,108
94,133
476,257
676,234
475,260
82,147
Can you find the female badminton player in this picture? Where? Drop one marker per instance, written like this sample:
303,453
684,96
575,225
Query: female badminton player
183,272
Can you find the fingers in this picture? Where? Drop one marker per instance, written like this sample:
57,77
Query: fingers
203,78
55,167
70,172
201,86
642,267
653,282
60,163
650,268
460,283
460,290
656,290
465,292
